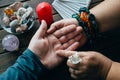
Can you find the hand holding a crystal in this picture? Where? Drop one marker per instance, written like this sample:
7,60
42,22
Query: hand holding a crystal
86,65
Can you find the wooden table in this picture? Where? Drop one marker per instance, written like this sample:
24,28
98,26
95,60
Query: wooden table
8,58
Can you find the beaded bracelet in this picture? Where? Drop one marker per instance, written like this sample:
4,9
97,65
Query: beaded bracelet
88,22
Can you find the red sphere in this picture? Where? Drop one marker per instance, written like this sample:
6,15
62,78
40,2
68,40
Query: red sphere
44,12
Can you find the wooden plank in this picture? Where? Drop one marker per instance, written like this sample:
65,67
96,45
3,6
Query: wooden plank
50,1
4,3
94,3
8,59
57,17
1,16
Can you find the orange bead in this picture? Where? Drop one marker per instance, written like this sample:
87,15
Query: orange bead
84,17
9,11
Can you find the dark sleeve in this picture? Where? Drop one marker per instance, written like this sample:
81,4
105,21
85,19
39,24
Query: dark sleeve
27,67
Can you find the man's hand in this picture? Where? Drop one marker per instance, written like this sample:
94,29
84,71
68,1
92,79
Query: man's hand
44,46
61,29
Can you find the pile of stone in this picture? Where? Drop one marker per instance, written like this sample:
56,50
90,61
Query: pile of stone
17,17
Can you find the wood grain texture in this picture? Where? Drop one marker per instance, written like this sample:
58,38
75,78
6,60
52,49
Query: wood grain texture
4,3
8,58
94,3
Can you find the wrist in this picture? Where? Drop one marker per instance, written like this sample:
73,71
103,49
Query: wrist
32,56
88,22
105,68
43,62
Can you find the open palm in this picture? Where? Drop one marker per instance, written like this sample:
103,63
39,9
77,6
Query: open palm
44,46
63,27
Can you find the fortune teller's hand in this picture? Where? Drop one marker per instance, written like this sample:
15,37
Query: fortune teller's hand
61,29
91,65
44,46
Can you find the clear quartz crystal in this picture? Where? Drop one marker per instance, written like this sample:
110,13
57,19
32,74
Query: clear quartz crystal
75,59
10,43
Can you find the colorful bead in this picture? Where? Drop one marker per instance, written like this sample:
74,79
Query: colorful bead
84,16
84,9
88,22
9,11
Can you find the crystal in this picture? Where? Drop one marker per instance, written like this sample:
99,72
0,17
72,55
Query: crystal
10,42
75,59
9,11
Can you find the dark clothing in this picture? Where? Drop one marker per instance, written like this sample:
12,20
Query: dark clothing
29,67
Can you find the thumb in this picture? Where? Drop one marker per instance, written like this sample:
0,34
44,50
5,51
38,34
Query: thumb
41,32
64,53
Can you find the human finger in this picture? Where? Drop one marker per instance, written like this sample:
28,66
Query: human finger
78,71
62,23
70,35
55,26
64,53
74,71
80,77
73,47
65,30
78,74
73,58
70,44
74,77
41,32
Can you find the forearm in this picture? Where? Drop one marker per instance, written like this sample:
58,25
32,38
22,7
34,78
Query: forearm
27,67
107,14
114,72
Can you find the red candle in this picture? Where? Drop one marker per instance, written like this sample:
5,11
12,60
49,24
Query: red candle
44,12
